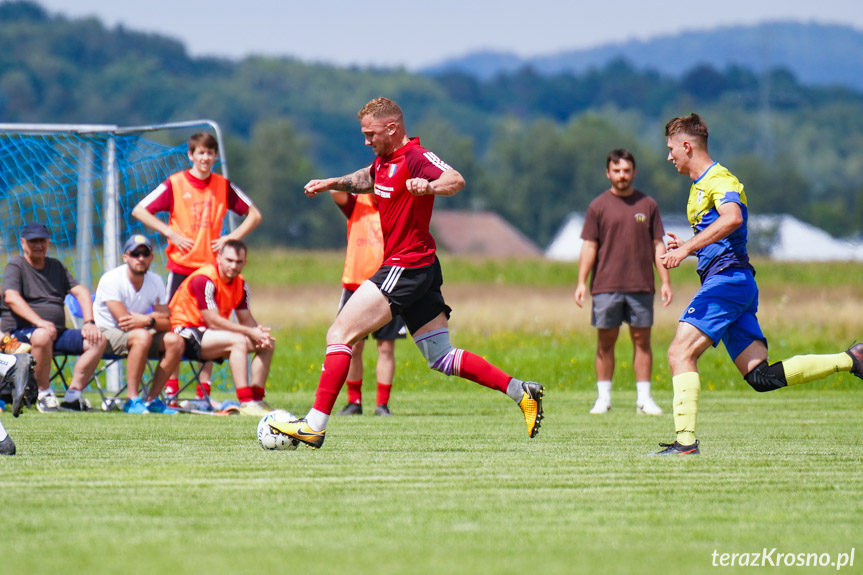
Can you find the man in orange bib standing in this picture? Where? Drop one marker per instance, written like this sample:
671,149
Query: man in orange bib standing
197,201
365,254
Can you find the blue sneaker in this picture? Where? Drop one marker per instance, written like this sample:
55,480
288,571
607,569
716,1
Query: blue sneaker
677,449
135,405
158,406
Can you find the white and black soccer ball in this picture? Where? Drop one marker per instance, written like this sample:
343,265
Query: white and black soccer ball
273,440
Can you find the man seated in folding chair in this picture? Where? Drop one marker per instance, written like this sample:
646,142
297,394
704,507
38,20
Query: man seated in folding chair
200,312
136,324
33,311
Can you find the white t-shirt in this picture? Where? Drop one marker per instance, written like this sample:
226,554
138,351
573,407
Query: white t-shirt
115,285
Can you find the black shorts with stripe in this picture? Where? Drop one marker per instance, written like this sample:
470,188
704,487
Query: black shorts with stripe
413,293
395,329
174,281
194,337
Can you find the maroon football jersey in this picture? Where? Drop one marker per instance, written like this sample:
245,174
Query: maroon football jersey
405,217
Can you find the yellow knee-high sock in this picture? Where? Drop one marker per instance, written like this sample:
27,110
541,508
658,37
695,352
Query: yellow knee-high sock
687,388
806,368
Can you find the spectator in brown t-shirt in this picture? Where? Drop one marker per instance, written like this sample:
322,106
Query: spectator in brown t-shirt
622,236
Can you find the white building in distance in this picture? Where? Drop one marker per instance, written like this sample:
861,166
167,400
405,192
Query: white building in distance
779,237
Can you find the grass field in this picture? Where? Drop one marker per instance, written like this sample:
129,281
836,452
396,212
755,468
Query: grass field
452,484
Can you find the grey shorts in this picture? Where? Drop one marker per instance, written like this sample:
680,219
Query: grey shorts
118,342
612,309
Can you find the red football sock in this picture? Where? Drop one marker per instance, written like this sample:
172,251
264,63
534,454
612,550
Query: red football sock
258,392
203,387
172,387
384,393
244,394
471,366
333,376
355,391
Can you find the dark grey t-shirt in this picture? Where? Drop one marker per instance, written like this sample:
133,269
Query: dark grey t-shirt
44,290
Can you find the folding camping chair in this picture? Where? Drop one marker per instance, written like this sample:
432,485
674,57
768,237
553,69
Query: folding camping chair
62,365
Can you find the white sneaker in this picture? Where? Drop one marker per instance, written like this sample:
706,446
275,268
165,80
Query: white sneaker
47,402
648,407
255,408
602,405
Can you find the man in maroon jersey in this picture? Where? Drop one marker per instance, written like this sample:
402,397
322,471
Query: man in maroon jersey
405,177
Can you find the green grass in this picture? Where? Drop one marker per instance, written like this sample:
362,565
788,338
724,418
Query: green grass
450,485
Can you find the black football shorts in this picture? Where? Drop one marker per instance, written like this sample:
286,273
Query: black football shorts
413,293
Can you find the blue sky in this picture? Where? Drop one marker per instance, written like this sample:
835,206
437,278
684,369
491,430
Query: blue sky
416,34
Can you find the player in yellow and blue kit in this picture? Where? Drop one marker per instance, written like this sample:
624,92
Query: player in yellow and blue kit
725,306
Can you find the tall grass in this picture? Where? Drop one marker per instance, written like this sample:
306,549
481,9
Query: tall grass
280,267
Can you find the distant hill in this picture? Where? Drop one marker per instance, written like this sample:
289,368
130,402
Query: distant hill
816,53
528,144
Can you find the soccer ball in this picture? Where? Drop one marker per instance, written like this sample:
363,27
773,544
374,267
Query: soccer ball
270,439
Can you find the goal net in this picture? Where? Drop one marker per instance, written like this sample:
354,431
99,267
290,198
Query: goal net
82,181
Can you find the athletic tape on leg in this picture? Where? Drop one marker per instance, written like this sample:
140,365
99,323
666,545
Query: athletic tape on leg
436,348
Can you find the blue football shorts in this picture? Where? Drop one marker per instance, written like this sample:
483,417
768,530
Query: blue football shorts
68,342
724,310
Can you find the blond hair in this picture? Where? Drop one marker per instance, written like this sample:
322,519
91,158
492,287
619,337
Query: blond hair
381,108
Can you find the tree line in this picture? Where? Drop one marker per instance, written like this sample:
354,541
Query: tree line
532,147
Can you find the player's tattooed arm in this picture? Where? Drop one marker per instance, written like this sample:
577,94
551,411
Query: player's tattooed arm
360,182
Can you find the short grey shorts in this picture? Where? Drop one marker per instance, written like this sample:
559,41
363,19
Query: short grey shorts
612,309
118,342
